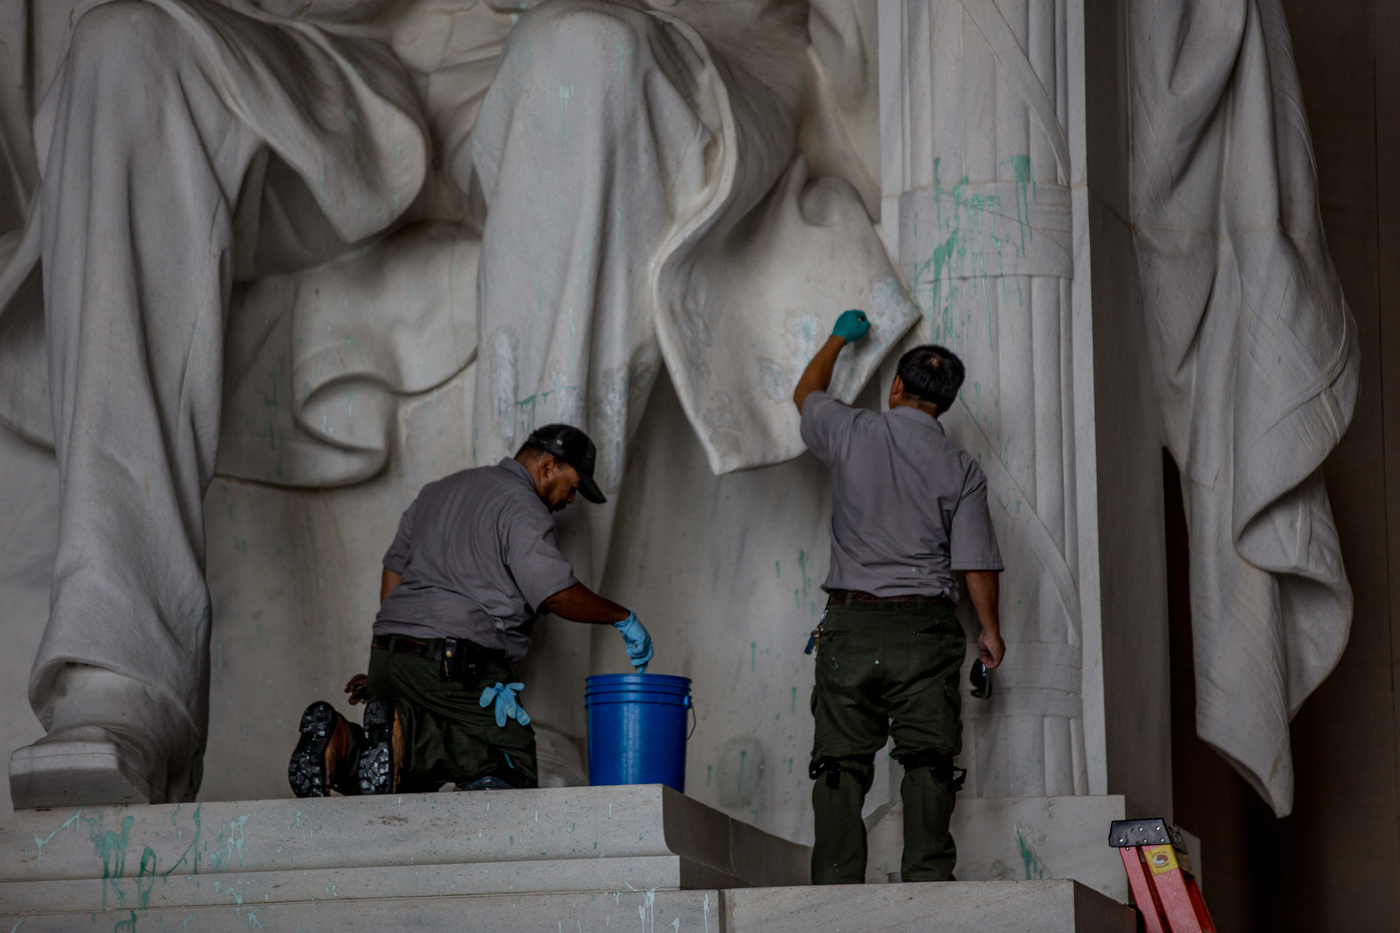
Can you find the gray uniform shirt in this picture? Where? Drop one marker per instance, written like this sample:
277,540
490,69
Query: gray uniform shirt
479,554
908,506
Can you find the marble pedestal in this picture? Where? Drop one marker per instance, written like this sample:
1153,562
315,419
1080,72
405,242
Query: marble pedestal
549,859
961,907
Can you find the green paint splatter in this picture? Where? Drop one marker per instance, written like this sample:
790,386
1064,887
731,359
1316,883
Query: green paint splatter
110,846
1034,867
192,847
147,872
71,821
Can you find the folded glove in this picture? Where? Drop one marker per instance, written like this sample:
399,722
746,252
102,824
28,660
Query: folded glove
507,707
639,649
851,325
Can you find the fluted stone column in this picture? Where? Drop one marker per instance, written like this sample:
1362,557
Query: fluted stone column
1021,264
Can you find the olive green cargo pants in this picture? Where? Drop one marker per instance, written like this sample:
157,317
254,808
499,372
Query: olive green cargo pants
885,669
448,734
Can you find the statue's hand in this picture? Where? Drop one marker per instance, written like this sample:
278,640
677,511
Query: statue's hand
356,687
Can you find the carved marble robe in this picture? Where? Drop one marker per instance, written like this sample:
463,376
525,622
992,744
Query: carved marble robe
639,197
1255,359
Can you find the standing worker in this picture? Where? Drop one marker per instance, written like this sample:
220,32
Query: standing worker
476,560
908,508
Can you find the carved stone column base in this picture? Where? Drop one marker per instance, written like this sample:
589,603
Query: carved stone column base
77,767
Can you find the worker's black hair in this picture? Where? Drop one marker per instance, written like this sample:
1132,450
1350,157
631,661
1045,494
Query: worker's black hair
533,449
932,374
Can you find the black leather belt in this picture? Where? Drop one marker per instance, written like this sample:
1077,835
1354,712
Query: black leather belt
457,658
844,597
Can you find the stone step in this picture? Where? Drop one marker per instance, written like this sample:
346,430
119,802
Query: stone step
268,852
954,907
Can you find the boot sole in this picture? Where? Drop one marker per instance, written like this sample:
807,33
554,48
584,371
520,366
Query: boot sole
377,761
307,770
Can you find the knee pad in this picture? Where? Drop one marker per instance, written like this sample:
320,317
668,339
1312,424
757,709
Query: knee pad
860,767
940,765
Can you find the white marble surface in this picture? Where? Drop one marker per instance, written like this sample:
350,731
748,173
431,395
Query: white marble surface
949,907
594,912
425,845
1049,906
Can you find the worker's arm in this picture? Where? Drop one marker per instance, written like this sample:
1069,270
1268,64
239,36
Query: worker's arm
850,327
358,684
580,604
984,588
817,376
387,582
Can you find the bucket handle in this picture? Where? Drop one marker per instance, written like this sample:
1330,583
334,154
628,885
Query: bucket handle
694,719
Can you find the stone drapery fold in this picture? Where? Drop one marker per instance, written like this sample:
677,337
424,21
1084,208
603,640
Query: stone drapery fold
1255,361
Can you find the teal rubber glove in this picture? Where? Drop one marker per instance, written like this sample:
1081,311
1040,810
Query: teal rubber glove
507,707
851,325
639,650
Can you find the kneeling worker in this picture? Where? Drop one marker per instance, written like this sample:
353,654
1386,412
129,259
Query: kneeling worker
475,561
908,507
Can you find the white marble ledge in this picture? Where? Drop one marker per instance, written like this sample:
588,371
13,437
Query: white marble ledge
554,825
951,907
957,907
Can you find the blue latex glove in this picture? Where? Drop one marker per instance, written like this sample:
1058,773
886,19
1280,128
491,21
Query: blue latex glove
639,649
507,707
852,325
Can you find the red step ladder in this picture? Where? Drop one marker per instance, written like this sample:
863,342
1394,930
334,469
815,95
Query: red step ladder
1159,874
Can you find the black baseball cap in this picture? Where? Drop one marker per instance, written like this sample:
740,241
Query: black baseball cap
568,444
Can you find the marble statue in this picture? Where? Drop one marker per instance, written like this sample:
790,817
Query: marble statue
1255,359
640,217
593,190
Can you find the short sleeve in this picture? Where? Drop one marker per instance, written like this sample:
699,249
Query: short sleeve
972,540
534,559
396,558
826,424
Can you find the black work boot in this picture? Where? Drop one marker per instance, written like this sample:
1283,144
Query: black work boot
321,762
379,763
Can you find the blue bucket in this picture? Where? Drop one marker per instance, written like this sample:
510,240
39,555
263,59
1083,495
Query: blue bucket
636,729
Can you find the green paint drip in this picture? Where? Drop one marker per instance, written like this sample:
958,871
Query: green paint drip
192,847
147,872
1034,867
71,821
110,846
